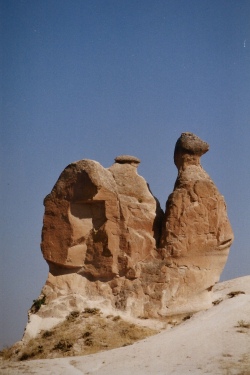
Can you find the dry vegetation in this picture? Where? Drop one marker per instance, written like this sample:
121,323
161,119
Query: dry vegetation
243,324
81,333
235,293
239,367
217,301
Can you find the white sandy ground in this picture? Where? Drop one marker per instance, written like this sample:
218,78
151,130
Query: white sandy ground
211,342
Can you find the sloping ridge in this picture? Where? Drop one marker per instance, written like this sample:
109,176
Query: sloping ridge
215,341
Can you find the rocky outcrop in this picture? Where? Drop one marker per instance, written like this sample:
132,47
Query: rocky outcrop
100,222
195,222
196,234
108,243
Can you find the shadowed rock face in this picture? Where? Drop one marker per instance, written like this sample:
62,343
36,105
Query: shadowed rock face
106,237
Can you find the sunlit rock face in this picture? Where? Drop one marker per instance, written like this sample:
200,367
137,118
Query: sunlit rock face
100,222
195,220
108,242
196,234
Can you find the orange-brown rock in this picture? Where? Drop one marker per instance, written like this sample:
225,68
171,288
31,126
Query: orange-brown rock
100,222
109,245
196,234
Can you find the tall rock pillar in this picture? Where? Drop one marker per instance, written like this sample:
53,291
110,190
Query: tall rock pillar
196,234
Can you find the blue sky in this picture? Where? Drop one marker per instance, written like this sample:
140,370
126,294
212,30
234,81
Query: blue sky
94,79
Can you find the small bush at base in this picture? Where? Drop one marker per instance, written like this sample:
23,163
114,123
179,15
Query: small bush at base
233,294
37,303
91,311
63,345
243,324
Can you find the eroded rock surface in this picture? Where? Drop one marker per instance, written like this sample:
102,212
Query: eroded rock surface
100,222
196,234
107,241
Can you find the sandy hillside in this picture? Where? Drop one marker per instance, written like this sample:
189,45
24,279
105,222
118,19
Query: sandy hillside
214,341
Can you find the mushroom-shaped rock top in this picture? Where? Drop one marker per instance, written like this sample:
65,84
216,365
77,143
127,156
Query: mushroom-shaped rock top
127,159
189,144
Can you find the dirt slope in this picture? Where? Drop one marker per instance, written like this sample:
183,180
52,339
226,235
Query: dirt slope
214,341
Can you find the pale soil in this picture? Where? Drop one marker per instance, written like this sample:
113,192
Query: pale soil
214,341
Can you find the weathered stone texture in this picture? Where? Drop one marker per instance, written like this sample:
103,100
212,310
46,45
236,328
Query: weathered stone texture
196,223
101,222
106,238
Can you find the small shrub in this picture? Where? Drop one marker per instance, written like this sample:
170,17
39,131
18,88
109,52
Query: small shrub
233,294
127,344
140,200
31,353
87,334
47,334
63,345
37,303
243,324
26,356
216,302
40,348
5,353
93,311
109,316
73,315
125,331
117,317
88,342
187,317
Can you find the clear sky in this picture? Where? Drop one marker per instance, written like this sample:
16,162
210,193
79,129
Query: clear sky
94,79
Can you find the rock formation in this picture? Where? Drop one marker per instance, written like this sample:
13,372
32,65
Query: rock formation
108,243
196,234
100,222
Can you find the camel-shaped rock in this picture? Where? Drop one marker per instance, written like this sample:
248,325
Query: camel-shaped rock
108,242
